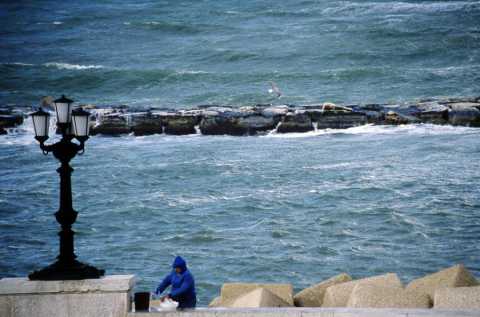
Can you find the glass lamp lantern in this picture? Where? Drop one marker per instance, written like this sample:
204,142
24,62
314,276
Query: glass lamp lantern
80,124
63,108
41,122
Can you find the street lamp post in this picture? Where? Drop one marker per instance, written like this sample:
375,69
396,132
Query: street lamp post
72,124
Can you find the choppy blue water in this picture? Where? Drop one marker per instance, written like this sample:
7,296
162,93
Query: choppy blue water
294,208
184,53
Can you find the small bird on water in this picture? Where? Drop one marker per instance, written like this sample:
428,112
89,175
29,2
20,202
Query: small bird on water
274,89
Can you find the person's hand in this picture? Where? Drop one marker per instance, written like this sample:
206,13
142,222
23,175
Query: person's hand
163,298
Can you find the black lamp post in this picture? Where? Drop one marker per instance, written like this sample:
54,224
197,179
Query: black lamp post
66,267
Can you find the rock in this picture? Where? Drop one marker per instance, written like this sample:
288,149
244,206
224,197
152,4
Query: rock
395,118
216,302
47,103
466,114
432,112
111,124
256,123
341,120
277,111
259,297
313,295
373,296
458,100
221,125
146,124
455,276
295,122
181,124
231,291
457,298
10,120
328,106
338,295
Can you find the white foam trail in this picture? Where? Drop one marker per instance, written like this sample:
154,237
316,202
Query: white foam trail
414,129
274,131
72,66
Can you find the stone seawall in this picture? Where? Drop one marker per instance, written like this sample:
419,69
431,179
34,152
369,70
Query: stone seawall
262,119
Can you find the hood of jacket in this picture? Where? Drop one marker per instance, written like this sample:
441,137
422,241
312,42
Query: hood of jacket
180,263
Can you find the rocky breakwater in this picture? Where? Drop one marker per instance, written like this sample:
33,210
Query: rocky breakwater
451,288
262,119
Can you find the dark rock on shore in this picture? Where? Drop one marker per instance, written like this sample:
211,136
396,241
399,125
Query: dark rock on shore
10,120
395,118
146,124
464,113
432,112
180,124
341,120
111,124
295,122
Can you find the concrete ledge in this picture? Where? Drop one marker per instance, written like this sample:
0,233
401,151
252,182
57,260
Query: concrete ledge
104,297
312,312
22,285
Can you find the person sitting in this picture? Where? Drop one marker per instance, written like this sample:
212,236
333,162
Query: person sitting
183,285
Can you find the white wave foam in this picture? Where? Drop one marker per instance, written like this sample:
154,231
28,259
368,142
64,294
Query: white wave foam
415,129
402,7
18,64
72,66
191,72
57,22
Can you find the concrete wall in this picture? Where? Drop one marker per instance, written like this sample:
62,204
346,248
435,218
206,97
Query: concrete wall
105,297
312,312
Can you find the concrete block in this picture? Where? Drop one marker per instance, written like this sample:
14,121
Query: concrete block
458,298
455,276
108,296
372,296
338,295
232,291
5,306
313,295
259,297
216,302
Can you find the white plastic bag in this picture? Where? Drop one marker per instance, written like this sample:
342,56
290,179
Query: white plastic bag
166,305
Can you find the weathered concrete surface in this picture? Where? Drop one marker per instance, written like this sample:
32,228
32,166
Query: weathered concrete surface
372,296
455,276
231,291
313,295
458,298
108,296
338,295
259,297
311,312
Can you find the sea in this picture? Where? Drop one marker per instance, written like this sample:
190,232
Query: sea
292,208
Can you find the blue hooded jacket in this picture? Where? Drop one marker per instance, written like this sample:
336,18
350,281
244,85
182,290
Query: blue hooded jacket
183,285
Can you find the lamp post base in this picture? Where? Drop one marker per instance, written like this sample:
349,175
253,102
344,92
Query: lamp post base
66,271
